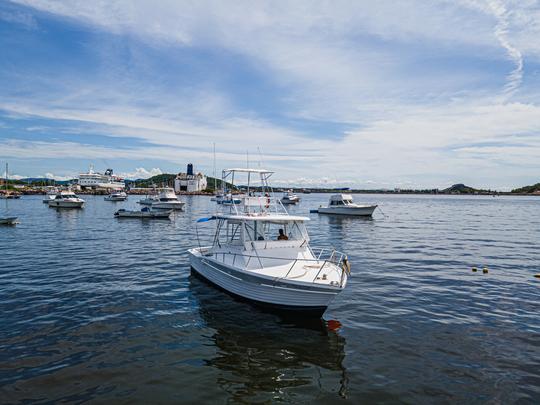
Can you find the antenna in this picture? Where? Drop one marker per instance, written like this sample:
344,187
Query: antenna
247,159
215,167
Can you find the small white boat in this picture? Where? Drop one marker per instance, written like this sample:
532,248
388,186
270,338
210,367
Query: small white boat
226,199
167,200
342,204
290,198
117,196
262,254
8,220
143,213
66,199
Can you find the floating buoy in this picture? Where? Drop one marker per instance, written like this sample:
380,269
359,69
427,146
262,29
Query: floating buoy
333,324
537,275
485,270
474,269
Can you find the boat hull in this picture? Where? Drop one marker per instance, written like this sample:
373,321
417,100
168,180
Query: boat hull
263,291
115,198
363,211
65,204
168,206
144,215
8,221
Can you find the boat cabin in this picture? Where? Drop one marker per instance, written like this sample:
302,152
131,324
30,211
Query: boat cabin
167,194
260,232
341,199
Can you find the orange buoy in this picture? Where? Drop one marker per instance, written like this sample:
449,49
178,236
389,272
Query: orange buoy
333,324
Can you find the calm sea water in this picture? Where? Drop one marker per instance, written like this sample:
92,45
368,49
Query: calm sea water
96,309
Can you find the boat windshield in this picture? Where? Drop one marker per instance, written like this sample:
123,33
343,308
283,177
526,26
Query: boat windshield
237,232
268,230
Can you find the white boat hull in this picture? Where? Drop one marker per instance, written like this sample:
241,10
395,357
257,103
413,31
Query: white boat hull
264,290
115,198
66,204
363,210
168,205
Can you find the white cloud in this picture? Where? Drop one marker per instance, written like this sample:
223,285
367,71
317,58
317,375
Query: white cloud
141,173
411,122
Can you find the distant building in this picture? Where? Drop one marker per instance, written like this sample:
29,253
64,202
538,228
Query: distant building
189,181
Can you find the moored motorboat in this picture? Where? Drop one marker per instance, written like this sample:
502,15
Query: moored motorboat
143,213
342,204
290,198
167,200
66,199
261,253
226,199
117,196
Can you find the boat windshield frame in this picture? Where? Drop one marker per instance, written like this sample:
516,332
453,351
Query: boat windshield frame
236,231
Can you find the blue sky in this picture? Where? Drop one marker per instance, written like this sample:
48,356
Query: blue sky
346,93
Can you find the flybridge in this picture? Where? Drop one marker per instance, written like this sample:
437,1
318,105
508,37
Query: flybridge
258,198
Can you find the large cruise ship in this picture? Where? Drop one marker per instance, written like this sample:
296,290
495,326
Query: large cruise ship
105,180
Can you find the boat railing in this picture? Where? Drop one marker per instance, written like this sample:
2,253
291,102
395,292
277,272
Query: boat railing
255,204
323,257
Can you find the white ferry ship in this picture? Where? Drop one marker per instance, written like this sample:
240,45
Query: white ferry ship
97,180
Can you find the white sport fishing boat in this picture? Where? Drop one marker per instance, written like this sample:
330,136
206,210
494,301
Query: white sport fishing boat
342,204
290,198
143,213
262,254
66,199
167,200
117,196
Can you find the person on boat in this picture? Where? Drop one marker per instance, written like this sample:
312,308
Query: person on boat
282,235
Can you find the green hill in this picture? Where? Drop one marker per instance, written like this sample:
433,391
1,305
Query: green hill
461,189
527,189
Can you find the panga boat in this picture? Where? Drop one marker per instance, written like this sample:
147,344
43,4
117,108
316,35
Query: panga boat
167,200
66,199
290,198
116,196
261,253
143,213
8,220
342,204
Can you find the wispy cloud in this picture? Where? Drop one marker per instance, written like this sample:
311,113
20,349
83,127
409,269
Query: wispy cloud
394,92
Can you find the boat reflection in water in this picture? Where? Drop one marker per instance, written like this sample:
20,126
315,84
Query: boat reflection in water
267,356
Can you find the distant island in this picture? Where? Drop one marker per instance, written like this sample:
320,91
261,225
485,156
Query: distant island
167,180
